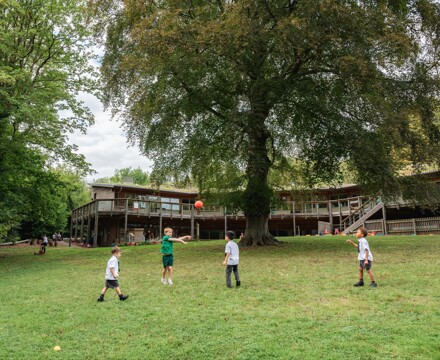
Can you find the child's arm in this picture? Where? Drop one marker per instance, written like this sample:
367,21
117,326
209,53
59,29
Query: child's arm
112,270
226,258
366,256
352,243
181,239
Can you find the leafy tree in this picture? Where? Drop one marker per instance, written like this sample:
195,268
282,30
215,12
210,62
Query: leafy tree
52,200
138,177
44,65
229,91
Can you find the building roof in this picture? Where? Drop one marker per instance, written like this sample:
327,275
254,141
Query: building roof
141,187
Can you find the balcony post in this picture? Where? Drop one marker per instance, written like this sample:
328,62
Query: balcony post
126,220
226,220
192,221
293,218
95,235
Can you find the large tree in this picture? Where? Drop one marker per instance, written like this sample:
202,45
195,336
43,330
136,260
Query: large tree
230,90
44,65
137,176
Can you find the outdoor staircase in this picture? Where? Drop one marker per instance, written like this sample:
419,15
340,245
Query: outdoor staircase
357,218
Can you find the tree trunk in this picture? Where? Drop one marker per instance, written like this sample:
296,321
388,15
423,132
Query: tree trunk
257,232
257,195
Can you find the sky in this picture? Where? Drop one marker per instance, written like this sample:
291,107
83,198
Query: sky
105,145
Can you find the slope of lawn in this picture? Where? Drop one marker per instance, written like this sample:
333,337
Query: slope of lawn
297,301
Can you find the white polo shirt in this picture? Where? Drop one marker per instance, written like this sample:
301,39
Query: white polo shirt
232,249
112,263
362,246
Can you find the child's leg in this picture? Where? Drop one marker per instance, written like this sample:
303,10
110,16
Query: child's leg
237,276
101,296
228,275
104,290
120,294
361,273
170,273
370,274
164,272
361,276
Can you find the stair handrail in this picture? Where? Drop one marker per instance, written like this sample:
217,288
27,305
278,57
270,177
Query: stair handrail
370,201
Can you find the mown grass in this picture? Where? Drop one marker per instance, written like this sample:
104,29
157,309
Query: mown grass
296,302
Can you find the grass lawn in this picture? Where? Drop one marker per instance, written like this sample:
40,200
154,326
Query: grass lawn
297,301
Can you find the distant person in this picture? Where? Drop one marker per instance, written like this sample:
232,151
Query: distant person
365,257
232,258
167,254
44,244
112,275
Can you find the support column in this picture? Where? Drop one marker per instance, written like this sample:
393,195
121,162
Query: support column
384,215
76,226
294,218
226,220
82,223
330,215
192,221
414,226
340,215
126,220
95,235
89,223
71,229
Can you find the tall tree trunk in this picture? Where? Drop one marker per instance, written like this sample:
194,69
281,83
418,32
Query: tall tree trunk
257,232
258,195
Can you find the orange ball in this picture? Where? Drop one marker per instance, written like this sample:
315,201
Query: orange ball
198,204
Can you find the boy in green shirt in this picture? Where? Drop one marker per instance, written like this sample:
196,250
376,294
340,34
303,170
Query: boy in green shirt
167,253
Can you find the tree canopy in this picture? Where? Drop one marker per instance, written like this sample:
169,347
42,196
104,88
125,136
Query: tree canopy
136,176
231,91
44,65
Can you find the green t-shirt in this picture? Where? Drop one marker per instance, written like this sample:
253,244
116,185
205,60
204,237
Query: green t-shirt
167,246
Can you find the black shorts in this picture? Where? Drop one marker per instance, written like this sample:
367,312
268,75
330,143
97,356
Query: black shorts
366,267
167,260
111,284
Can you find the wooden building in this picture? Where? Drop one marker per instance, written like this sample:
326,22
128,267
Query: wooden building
122,213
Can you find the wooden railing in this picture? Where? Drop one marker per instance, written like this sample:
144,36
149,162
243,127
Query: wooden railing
414,226
359,212
337,208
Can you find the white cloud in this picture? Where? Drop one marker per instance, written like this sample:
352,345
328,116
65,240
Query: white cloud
105,145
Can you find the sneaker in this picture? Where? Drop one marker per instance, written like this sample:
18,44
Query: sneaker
164,281
100,299
170,282
238,283
123,297
373,285
359,283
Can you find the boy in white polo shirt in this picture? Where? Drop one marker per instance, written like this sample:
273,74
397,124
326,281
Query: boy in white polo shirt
112,275
365,257
232,257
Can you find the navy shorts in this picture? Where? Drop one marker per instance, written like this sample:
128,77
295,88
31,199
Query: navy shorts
167,260
111,284
366,267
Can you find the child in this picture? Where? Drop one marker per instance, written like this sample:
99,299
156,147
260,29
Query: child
365,257
232,257
112,275
167,254
44,244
